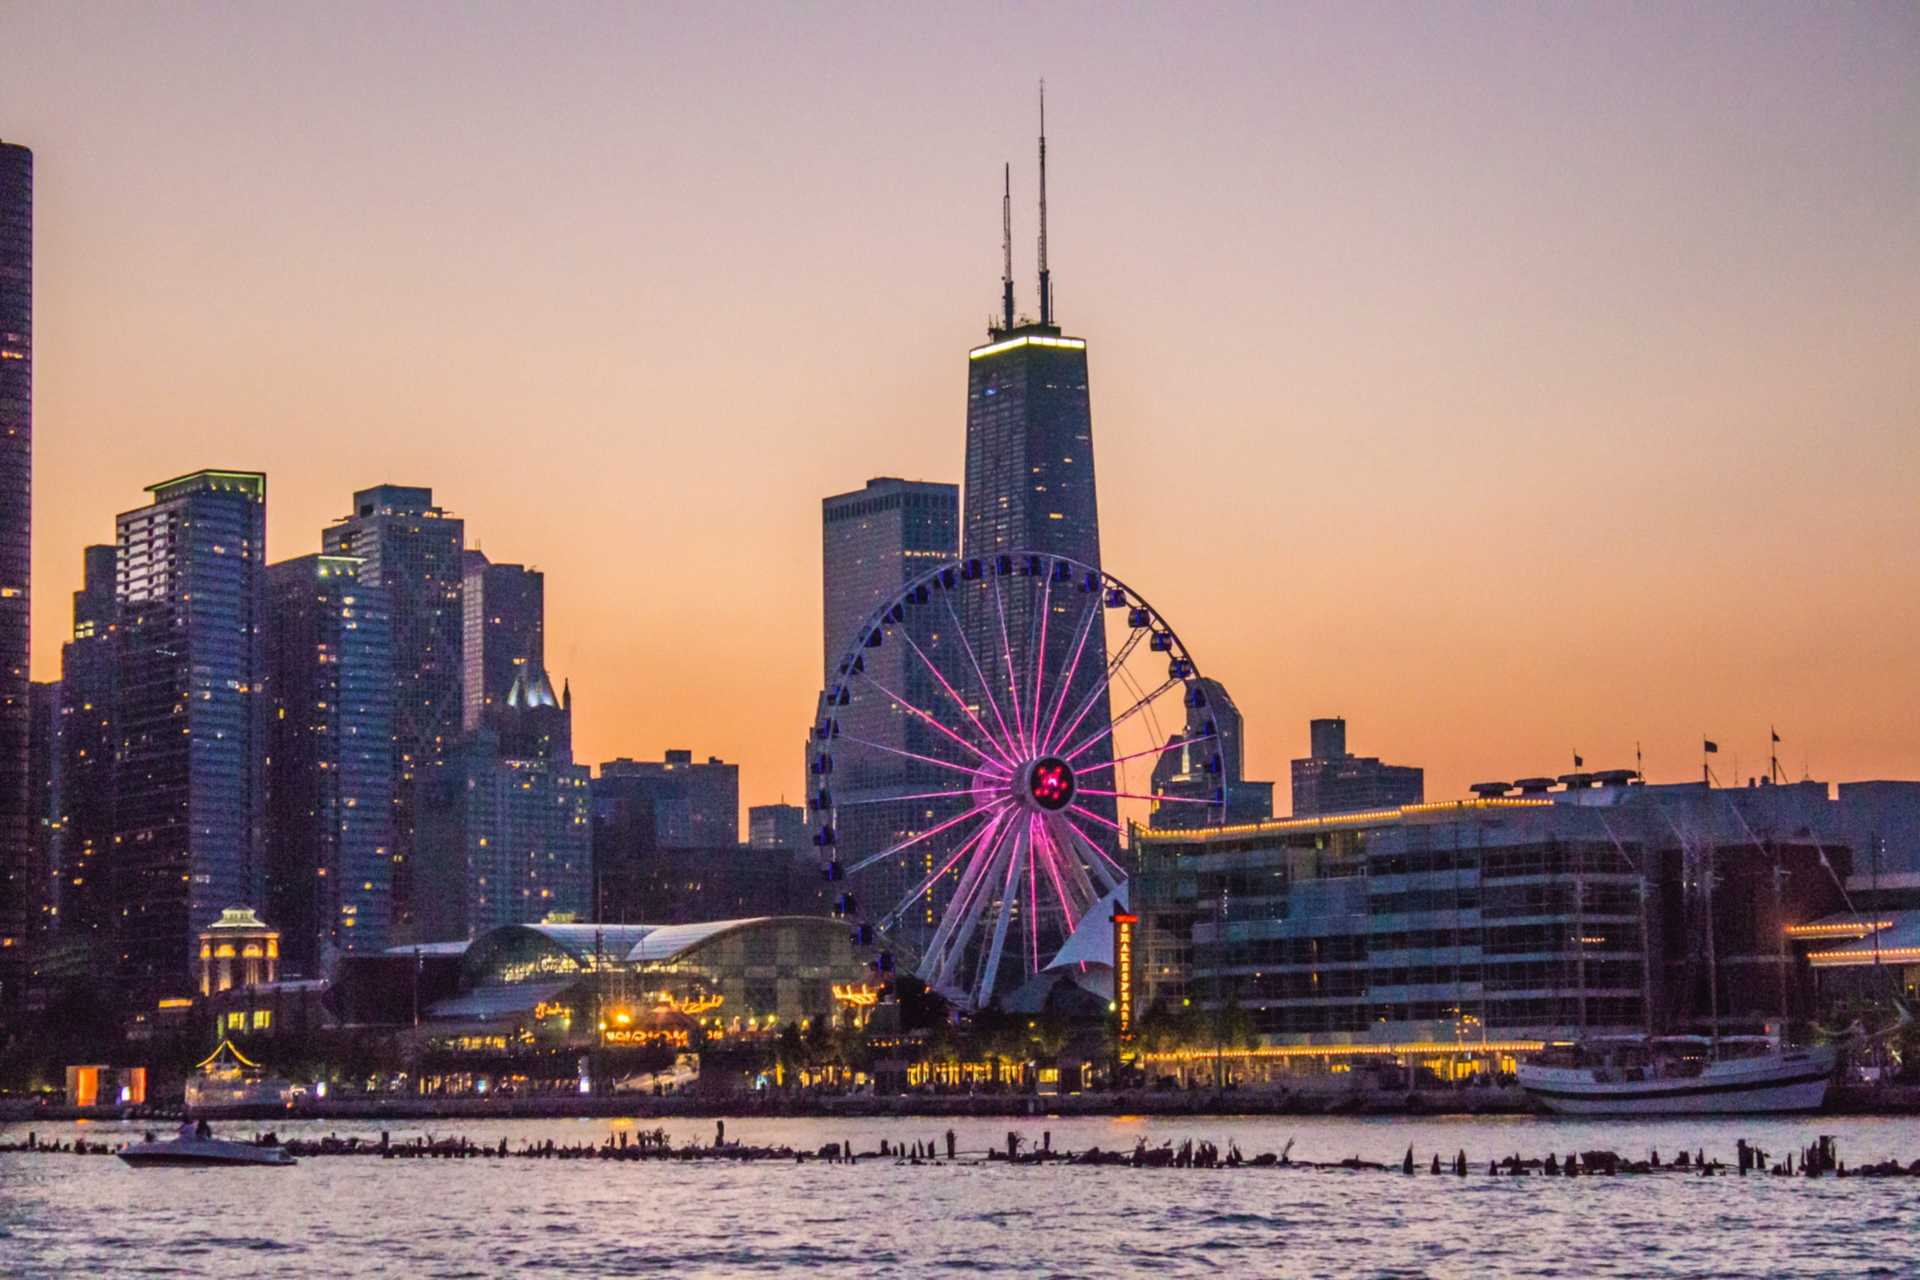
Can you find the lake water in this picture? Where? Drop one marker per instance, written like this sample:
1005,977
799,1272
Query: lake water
335,1217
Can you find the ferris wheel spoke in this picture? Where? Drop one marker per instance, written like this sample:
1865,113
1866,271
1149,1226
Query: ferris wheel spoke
928,834
1073,669
1040,659
995,771
1057,857
1145,701
958,701
1102,860
1006,655
1099,690
1134,795
979,870
1175,745
1068,854
1006,735
972,842
959,793
932,720
942,960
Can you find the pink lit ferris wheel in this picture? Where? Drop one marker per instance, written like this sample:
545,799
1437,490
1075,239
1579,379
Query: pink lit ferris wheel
979,753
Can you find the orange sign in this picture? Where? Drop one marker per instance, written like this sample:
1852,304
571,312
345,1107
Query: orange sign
1123,923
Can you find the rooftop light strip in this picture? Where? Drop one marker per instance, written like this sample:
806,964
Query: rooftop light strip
1027,340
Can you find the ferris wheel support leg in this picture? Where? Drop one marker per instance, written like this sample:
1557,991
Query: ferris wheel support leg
1003,914
937,968
1099,859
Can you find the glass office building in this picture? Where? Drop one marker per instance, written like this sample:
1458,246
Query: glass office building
189,714
330,776
414,552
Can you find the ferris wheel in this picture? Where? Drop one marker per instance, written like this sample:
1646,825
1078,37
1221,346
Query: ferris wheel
983,745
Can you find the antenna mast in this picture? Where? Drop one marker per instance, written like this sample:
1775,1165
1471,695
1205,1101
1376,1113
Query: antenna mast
1046,281
1006,251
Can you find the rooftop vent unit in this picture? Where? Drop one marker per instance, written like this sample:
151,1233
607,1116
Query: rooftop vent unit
1534,786
1490,790
1615,777
1577,781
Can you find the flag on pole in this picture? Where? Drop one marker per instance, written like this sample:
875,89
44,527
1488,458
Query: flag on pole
1710,747
1578,763
1776,734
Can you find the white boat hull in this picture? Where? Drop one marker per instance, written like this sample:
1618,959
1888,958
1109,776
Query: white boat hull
1795,1081
204,1151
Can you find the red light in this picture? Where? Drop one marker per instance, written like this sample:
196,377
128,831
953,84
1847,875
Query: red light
1050,783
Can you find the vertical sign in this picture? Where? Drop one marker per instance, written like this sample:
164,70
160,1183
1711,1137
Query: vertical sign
1123,923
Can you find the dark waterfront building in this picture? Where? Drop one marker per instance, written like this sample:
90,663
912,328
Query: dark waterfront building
1200,768
1331,781
673,803
415,553
330,771
777,826
506,833
20,890
189,714
873,542
505,629
1502,921
89,668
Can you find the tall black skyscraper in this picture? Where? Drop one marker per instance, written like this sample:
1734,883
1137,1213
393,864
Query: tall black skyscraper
415,553
190,718
1030,486
88,670
18,891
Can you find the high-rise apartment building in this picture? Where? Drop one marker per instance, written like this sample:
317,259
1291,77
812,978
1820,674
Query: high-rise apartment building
43,812
414,552
505,629
872,542
330,771
1332,781
506,831
18,889
89,669
189,717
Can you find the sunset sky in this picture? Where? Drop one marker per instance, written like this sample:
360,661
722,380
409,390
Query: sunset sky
1508,379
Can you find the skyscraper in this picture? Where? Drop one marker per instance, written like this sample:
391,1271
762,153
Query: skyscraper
1030,487
189,716
330,776
873,542
18,892
88,678
506,832
505,629
414,553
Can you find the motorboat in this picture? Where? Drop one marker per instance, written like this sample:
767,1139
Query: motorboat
185,1150
1679,1075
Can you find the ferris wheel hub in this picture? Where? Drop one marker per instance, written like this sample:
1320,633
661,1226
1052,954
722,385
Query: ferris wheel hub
1046,784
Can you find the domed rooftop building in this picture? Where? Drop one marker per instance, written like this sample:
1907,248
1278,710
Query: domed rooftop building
562,982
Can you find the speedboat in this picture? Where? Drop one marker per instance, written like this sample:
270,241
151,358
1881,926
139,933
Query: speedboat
1679,1075
206,1151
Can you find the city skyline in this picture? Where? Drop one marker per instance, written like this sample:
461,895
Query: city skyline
1509,450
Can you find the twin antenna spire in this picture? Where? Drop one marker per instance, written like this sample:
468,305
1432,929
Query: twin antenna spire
1006,233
